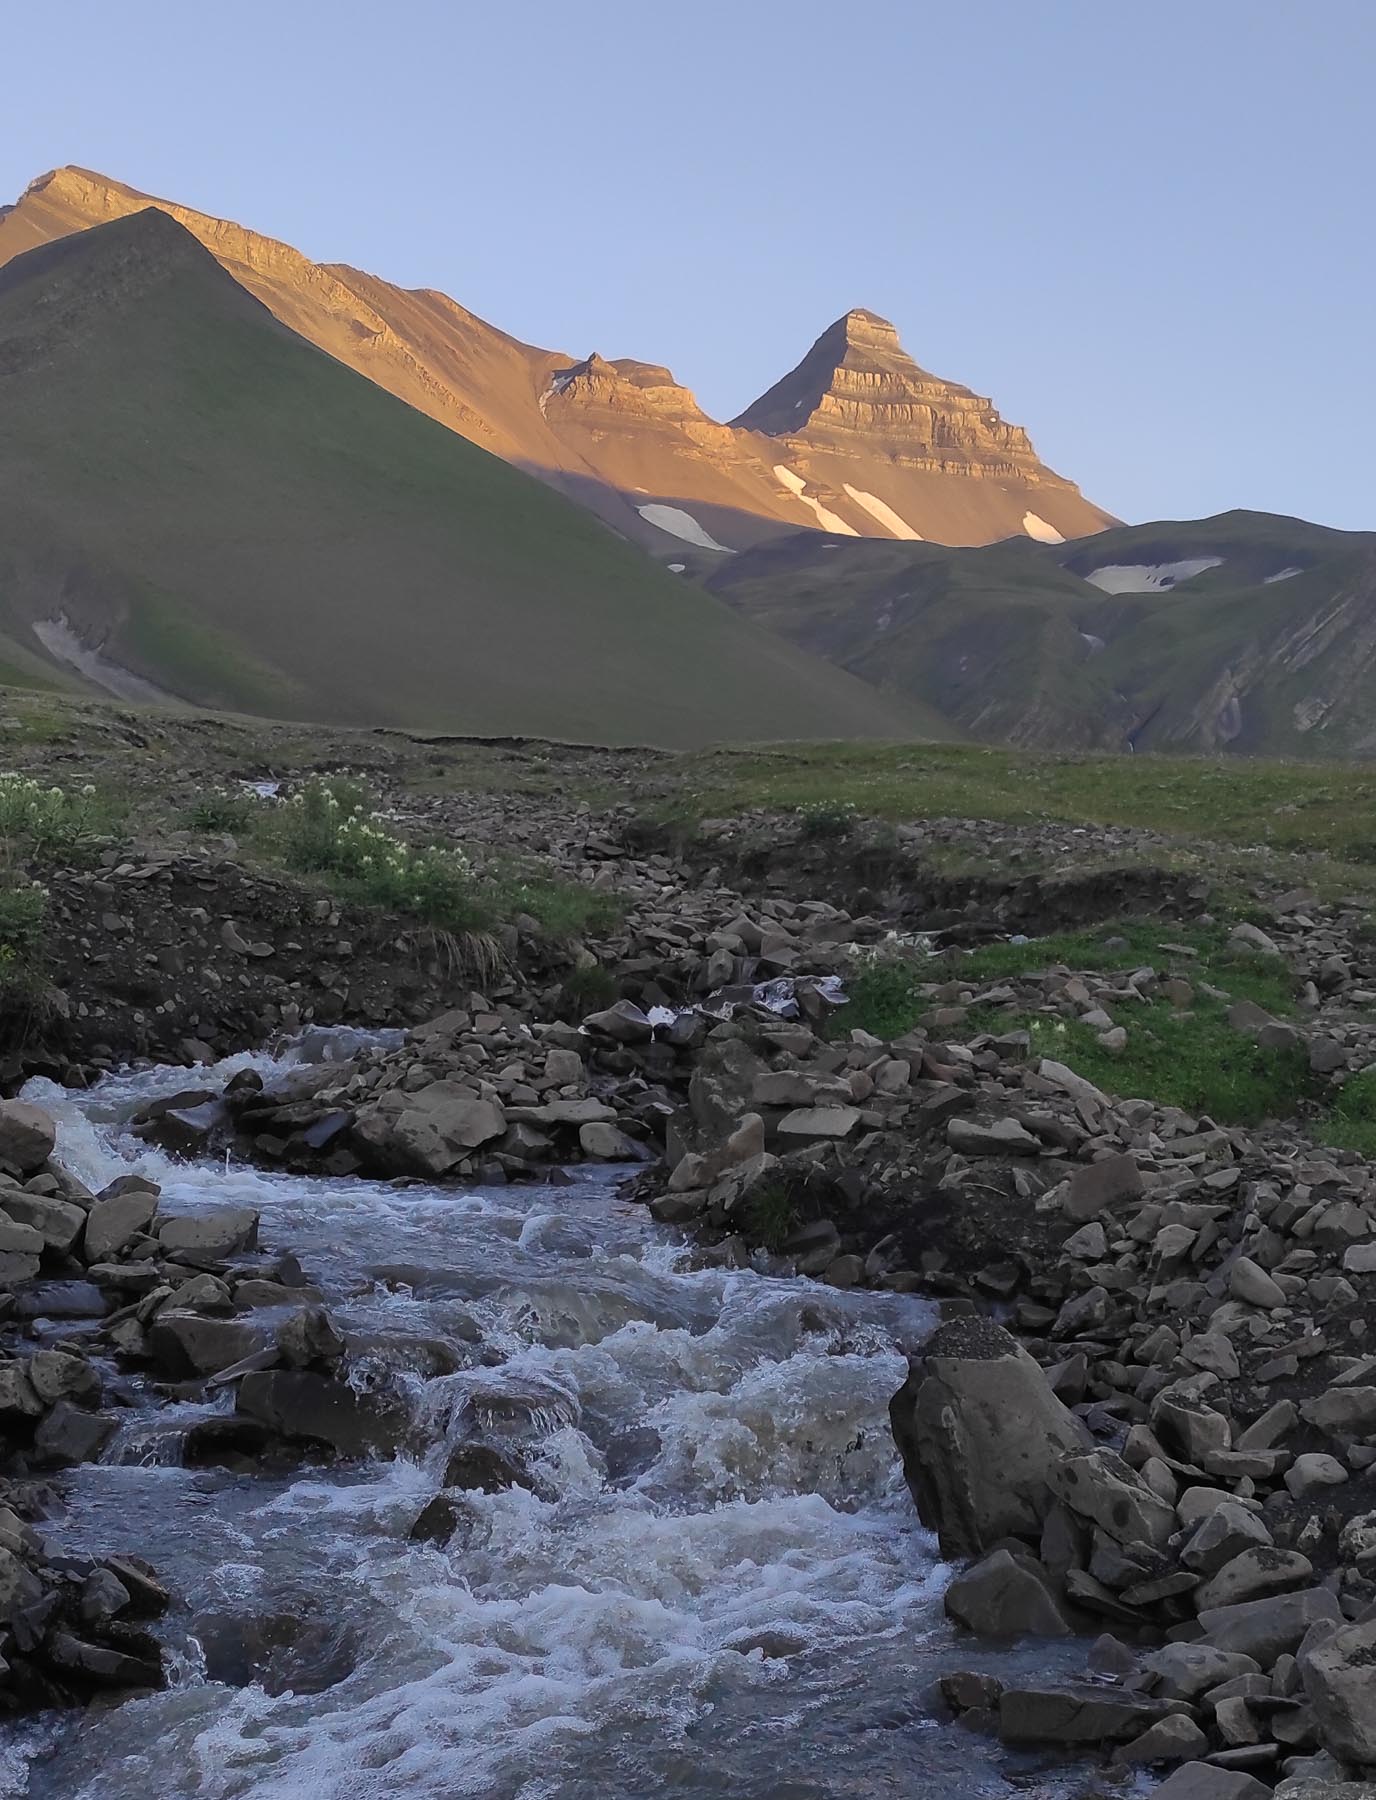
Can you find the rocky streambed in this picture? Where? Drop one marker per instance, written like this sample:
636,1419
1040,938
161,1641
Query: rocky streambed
524,1504
507,1405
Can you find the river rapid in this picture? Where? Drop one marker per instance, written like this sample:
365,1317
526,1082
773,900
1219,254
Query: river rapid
721,1587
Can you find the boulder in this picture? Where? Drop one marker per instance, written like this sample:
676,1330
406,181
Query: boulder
1004,1137
209,1236
1189,1669
1339,1675
1109,1182
980,1431
111,1225
1266,1629
1253,1574
1006,1597
1099,1486
1077,1715
69,1435
58,1222
27,1136
322,1410
1203,1781
189,1343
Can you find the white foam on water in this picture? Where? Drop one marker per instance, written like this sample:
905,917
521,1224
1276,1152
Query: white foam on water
885,515
680,524
1150,578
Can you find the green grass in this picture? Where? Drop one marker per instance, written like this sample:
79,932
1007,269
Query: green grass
224,810
1350,1123
770,1215
1194,1060
40,823
261,527
884,996
1325,808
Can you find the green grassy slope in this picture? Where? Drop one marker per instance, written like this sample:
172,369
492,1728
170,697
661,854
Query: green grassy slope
231,514
1012,643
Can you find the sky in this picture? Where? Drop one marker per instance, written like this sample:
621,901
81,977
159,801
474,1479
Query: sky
1144,229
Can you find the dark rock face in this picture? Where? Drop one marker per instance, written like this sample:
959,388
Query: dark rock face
321,1411
980,1432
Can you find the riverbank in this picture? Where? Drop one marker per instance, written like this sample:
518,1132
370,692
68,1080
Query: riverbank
1087,1086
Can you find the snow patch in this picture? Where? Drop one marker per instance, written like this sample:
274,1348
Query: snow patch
1281,575
886,516
1095,644
1150,578
680,524
676,568
63,644
1038,528
795,484
557,386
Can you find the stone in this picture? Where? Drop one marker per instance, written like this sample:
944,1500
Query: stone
58,1223
479,1466
190,1343
57,1375
818,1124
1068,1082
27,1136
19,1586
1099,1485
113,1224
1254,1573
1266,1629
1339,1675
1312,1471
1005,1597
1350,1411
1170,1740
323,1410
209,1236
979,1431
69,1435
605,1143
1076,1715
1203,1781
1111,1181
1224,1534
1252,1285
1004,1137
1186,1670
624,1023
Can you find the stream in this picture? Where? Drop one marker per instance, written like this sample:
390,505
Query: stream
721,1587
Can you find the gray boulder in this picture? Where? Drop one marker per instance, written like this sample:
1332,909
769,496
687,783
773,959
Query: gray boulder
1266,1629
209,1236
319,1409
1203,1781
980,1431
1340,1680
27,1136
1100,1486
1006,1597
111,1225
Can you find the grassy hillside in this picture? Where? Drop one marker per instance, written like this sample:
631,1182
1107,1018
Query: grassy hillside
231,515
1271,650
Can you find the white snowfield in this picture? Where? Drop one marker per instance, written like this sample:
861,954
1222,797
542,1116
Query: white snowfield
1038,528
1149,578
826,518
885,515
1281,575
682,525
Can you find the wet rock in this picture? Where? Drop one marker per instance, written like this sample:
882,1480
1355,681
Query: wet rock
190,1343
69,1435
489,1470
102,1665
319,1409
980,1431
1006,1597
282,1652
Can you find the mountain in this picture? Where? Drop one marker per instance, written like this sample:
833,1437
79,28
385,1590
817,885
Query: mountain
857,439
1247,632
196,504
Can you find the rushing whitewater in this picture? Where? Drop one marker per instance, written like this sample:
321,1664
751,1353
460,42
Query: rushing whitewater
720,1587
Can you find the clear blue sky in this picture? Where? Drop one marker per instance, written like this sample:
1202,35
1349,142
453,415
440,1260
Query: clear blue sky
1145,229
